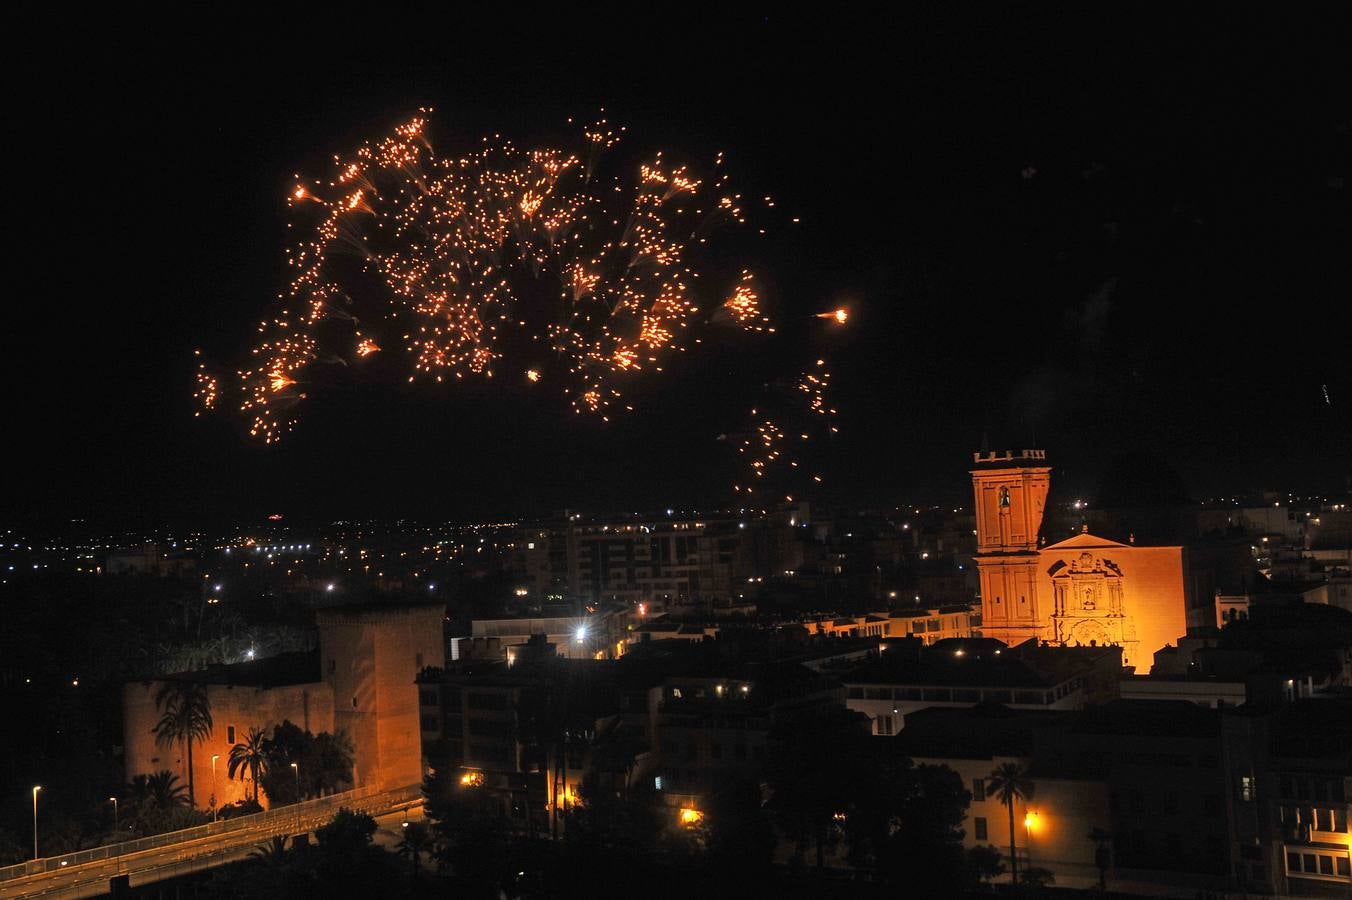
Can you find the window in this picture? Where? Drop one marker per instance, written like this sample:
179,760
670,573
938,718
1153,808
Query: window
491,728
485,700
1323,820
978,789
1344,869
354,701
657,783
1246,789
1004,498
885,725
1310,865
333,665
1325,865
1292,862
979,824
230,734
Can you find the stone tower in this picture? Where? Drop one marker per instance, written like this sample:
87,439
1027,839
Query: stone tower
1011,491
371,656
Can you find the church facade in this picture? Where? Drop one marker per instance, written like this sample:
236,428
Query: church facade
1085,591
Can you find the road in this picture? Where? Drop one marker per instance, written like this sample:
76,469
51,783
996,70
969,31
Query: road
158,864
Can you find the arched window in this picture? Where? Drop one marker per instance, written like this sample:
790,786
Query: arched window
1004,498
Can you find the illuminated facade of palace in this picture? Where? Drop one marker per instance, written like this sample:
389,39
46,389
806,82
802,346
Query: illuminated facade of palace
1085,591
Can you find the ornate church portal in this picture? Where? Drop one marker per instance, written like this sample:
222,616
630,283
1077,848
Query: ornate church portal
1088,607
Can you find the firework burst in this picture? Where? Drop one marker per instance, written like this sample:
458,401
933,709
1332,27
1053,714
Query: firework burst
506,259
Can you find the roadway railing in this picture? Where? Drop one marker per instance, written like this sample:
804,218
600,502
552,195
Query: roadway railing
278,819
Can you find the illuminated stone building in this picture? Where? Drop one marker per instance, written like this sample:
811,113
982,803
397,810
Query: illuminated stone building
361,680
1085,591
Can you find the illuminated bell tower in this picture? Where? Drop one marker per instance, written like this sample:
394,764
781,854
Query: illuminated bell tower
1011,491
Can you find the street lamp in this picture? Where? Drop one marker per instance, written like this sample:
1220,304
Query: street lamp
296,768
214,757
36,788
113,800
1029,825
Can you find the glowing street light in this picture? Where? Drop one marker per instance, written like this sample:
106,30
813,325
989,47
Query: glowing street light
214,757
113,800
36,788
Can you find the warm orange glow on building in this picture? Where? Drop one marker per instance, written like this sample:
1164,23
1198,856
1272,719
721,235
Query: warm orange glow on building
472,779
1084,591
691,816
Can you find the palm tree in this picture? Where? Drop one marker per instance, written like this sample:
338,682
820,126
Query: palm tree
417,840
247,759
1010,782
187,717
163,790
273,853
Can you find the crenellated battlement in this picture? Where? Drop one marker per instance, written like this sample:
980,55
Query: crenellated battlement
1008,457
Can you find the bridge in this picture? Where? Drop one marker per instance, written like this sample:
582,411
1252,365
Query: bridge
87,873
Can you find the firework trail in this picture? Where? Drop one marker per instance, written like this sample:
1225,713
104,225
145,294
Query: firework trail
531,264
778,444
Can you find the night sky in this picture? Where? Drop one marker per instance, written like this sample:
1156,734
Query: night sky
1096,234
